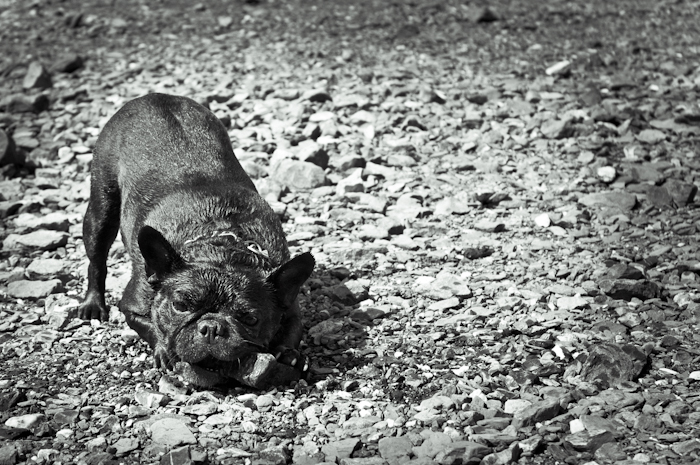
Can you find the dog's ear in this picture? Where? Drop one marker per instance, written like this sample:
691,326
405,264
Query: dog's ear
288,278
159,256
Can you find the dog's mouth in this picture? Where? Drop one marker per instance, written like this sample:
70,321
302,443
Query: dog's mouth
217,366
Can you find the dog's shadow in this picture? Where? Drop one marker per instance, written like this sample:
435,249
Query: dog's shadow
336,324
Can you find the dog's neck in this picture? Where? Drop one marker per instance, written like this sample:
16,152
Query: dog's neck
246,252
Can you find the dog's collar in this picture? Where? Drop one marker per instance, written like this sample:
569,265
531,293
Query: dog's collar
251,246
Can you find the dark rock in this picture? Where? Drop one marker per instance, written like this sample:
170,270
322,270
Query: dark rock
316,95
585,441
681,192
626,289
312,152
609,365
483,14
8,151
659,197
20,103
537,412
36,77
624,271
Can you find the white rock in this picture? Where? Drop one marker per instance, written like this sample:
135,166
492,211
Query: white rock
543,220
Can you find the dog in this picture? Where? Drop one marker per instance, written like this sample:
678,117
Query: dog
212,280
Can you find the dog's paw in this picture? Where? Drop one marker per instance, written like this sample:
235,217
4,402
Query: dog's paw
291,357
93,309
161,359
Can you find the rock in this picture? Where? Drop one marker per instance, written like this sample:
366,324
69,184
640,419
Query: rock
627,289
606,174
555,129
67,63
462,453
620,200
352,183
298,175
681,192
40,240
20,103
151,399
561,68
8,151
46,268
651,136
336,450
489,226
24,289
483,14
316,95
30,421
171,432
394,448
623,271
571,303
537,412
262,371
659,197
515,406
434,443
312,152
9,454
585,441
36,77
609,365
125,445
97,444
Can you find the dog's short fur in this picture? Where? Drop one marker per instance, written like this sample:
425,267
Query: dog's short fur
212,280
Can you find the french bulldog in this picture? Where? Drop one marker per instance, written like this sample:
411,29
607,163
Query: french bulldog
212,281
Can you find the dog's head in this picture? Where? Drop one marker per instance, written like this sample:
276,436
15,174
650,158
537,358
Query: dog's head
211,311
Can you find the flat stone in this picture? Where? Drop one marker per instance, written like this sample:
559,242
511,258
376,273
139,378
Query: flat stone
24,289
46,268
126,445
342,449
171,432
30,421
434,443
537,413
620,200
392,448
41,240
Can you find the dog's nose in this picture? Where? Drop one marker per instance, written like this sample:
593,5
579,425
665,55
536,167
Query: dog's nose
210,330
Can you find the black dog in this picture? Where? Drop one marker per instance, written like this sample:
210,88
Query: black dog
212,280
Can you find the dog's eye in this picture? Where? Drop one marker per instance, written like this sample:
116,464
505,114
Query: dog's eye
249,319
178,306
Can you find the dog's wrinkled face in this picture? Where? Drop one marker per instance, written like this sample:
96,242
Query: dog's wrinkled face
210,318
209,314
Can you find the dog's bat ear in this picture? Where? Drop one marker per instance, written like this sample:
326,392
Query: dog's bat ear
159,256
288,278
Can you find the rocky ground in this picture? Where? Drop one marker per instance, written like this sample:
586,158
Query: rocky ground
499,199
